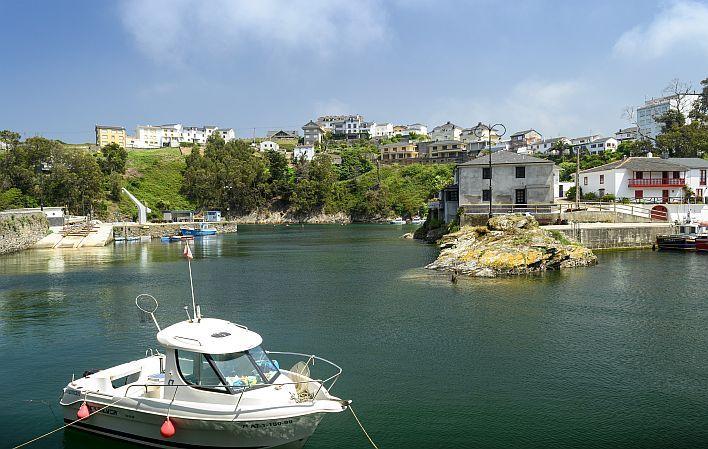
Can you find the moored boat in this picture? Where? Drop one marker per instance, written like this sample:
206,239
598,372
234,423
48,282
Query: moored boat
702,243
202,230
684,239
212,386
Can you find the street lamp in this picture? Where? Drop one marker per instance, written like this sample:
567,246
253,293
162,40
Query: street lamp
499,130
42,169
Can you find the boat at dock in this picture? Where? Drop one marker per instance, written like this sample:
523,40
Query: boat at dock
702,243
212,385
397,221
684,239
202,230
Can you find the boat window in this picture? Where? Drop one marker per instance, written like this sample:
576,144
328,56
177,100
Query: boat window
267,366
197,370
238,369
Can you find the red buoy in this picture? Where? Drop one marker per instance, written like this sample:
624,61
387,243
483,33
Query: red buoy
167,430
83,412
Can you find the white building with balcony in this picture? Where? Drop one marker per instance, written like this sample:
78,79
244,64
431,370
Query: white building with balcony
647,179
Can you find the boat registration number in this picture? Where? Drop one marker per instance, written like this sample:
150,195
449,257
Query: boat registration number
266,424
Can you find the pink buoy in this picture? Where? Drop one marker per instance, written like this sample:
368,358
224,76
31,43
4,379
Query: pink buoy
83,412
168,429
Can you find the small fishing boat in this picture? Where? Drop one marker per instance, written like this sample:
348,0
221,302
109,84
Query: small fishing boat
213,385
202,230
684,239
397,221
165,238
417,220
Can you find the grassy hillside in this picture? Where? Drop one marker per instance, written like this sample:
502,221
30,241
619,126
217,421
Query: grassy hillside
155,178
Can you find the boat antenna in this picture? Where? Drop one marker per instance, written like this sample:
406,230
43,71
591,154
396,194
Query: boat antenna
148,304
188,255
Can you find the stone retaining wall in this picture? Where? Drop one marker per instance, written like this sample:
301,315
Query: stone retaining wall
617,237
20,231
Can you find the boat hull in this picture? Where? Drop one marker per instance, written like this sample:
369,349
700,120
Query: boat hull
702,244
144,428
682,243
198,232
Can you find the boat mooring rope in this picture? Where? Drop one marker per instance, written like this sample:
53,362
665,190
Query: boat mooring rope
362,428
26,443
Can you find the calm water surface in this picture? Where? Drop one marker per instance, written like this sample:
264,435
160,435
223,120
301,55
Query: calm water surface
610,356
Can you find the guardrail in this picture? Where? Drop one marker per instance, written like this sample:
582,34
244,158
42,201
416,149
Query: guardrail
634,209
311,358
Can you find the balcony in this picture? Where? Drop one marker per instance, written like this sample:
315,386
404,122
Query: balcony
658,182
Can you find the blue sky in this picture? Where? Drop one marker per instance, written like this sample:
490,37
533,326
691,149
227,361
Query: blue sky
562,67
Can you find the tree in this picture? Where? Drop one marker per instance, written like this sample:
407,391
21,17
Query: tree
9,138
685,141
114,158
355,162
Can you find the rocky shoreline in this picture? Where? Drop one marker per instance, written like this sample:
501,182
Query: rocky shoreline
508,245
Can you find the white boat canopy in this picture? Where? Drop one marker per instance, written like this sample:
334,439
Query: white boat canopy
209,336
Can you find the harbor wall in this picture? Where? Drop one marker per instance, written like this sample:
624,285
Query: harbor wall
20,231
614,236
157,230
582,216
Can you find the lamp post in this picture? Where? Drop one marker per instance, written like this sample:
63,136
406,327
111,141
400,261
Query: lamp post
499,130
42,169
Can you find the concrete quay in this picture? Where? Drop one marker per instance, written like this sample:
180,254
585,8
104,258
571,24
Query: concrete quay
614,235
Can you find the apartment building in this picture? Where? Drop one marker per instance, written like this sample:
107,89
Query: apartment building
106,134
651,110
399,152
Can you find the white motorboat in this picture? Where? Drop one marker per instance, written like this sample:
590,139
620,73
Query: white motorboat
397,221
214,386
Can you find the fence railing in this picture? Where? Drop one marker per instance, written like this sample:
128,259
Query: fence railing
634,209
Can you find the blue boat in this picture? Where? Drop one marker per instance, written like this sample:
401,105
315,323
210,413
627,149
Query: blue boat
203,229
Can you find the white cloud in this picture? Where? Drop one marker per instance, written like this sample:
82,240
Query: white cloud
552,108
683,24
178,30
331,106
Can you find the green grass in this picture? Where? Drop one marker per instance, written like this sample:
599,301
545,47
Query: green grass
155,176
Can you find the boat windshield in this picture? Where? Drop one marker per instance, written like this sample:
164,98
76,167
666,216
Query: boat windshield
238,369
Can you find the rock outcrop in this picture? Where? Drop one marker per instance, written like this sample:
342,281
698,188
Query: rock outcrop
508,245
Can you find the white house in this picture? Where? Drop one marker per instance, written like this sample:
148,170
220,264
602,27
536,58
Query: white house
306,152
478,133
381,130
594,144
349,125
416,128
268,145
647,179
546,145
446,131
627,134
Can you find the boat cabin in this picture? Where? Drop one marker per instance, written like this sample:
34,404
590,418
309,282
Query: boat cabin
215,355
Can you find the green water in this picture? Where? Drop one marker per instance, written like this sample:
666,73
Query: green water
610,356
